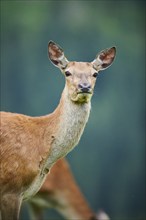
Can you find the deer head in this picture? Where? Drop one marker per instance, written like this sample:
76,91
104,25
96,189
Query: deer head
80,76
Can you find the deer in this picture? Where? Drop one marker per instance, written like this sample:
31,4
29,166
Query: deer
30,146
61,192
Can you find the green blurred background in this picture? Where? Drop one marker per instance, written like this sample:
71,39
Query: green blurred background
109,162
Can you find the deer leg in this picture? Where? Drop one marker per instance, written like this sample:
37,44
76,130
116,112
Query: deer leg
10,207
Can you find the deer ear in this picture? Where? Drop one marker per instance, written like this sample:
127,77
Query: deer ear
56,55
104,59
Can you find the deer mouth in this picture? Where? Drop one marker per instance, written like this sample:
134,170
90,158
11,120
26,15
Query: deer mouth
81,96
84,92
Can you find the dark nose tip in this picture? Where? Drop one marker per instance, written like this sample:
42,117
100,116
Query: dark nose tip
85,87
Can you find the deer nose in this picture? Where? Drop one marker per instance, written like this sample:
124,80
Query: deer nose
84,87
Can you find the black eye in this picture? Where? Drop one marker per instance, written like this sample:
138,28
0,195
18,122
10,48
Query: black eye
95,74
67,73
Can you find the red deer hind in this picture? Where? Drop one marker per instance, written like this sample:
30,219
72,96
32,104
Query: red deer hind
31,145
61,192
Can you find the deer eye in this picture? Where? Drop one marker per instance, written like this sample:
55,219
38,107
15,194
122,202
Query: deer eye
95,74
67,73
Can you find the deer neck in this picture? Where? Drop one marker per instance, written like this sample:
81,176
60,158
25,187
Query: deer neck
71,119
